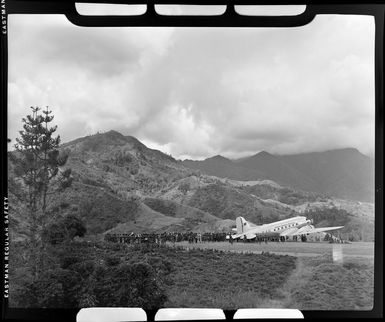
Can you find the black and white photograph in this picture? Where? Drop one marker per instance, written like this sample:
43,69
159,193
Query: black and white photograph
184,167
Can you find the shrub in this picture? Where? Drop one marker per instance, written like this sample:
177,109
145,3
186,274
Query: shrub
64,229
55,289
112,260
69,260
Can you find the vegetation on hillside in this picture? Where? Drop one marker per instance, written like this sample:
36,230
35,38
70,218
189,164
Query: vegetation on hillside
174,209
100,209
355,228
147,275
64,229
227,202
85,274
285,195
123,164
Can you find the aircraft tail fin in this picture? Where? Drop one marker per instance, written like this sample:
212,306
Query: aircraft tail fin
242,225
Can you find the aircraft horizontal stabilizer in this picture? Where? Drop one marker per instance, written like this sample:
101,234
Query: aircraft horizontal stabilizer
248,236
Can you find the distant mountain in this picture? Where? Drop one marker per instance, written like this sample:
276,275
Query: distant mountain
344,173
222,167
276,169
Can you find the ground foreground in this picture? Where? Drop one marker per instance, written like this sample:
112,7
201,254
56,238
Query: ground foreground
322,283
105,274
326,277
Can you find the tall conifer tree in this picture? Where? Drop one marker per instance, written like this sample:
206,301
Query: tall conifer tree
38,162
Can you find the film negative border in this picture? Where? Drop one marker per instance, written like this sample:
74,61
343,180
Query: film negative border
229,19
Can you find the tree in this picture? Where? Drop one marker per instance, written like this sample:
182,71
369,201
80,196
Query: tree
64,229
38,163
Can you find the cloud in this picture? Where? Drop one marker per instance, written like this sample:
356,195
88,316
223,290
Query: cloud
196,93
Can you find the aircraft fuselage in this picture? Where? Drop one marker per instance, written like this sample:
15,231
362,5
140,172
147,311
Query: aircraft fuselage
244,230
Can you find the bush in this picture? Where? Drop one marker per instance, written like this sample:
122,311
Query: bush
55,288
112,260
64,229
69,260
84,268
74,226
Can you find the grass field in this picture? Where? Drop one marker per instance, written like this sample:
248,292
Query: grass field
204,278
319,283
326,277
357,249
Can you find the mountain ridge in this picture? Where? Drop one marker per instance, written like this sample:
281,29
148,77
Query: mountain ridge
345,173
119,185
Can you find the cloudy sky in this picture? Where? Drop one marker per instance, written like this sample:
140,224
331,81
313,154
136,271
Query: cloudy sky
195,93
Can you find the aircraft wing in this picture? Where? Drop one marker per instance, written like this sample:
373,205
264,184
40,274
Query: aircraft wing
308,230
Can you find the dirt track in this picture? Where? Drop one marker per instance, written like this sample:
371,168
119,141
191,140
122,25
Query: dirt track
358,249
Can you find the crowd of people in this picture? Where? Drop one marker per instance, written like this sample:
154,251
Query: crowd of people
133,238
191,237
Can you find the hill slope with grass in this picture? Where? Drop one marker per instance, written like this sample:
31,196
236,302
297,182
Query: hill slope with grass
120,185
